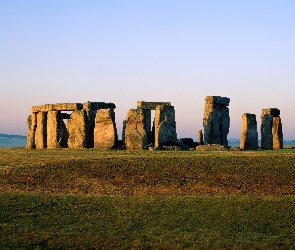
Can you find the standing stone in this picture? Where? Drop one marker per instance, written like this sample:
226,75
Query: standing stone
77,129
56,130
216,120
277,133
123,132
200,137
271,129
135,133
41,130
165,126
266,132
249,135
105,132
32,123
90,124
148,127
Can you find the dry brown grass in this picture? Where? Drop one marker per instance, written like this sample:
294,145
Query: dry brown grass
145,173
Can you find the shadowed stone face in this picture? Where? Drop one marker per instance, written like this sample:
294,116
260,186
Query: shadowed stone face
266,132
135,133
56,130
249,135
105,132
271,129
216,120
165,126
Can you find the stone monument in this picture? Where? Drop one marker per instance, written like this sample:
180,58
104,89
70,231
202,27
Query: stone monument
47,129
249,135
271,129
216,120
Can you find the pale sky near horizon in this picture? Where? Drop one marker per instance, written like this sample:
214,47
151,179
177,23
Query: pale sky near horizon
155,50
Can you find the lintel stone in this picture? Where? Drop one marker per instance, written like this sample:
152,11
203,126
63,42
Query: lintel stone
151,105
223,101
271,111
57,107
98,105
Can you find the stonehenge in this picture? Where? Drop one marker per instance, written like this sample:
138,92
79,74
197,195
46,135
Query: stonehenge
216,120
138,131
92,125
47,129
271,129
249,135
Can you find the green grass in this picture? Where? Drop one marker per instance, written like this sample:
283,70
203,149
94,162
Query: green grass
89,199
49,221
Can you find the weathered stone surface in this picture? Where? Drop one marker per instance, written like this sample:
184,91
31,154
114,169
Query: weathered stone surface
77,129
277,133
105,132
271,129
41,130
211,147
57,107
135,133
56,130
249,135
151,105
266,132
98,105
216,120
200,137
271,111
32,123
72,106
165,126
222,101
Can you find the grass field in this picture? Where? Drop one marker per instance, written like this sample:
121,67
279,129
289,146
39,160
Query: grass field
88,199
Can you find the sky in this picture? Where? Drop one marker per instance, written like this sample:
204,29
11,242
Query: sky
157,50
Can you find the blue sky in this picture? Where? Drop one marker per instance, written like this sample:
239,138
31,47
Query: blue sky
165,50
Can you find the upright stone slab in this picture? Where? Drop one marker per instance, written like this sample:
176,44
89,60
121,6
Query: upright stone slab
165,126
32,124
56,130
277,132
148,127
105,132
41,130
249,135
200,137
77,129
271,129
123,132
135,133
216,120
266,132
90,124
